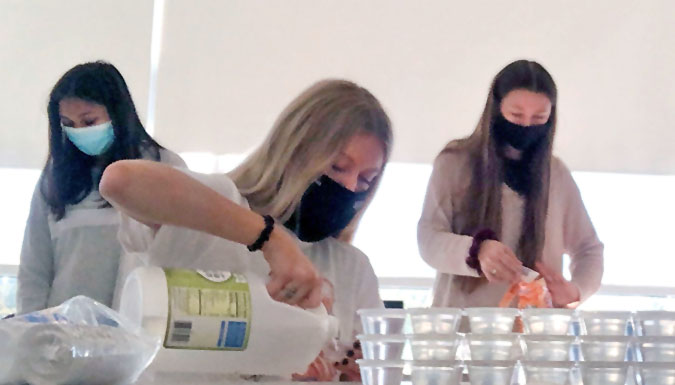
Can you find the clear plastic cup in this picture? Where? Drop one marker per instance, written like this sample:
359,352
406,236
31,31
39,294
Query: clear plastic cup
434,347
489,320
549,373
382,347
491,372
654,373
494,347
604,348
605,323
382,321
604,373
376,372
435,320
547,321
655,323
436,372
547,348
657,349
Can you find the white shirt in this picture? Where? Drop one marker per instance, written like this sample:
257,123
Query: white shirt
77,255
345,266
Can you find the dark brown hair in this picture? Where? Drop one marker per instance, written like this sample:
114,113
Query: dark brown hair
482,204
67,176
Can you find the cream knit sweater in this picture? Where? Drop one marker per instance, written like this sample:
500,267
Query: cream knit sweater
568,231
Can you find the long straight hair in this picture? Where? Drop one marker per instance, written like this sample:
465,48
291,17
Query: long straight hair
67,176
482,204
305,140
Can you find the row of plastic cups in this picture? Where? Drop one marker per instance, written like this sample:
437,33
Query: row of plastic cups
481,320
501,321
506,372
514,346
618,323
599,348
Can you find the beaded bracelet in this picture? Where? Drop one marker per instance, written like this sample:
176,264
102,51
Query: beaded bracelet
264,235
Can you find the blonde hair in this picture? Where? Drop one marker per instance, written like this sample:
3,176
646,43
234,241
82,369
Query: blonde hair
305,140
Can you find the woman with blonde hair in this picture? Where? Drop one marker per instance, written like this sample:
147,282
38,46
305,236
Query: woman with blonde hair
499,200
314,174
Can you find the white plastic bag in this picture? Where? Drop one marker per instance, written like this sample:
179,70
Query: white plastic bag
78,342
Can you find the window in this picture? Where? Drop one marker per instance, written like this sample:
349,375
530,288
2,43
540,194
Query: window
632,214
7,295
14,206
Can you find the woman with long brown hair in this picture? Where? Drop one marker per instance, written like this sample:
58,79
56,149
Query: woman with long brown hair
499,200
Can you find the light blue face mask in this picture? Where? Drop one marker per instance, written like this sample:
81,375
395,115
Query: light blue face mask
92,140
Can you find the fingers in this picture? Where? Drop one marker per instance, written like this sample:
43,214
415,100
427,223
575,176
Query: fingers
499,263
510,259
542,269
497,270
318,370
293,277
327,295
295,284
511,272
551,276
349,369
307,295
563,292
295,292
313,299
275,285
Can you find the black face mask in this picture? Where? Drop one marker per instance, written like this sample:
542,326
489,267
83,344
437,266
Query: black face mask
517,175
519,137
325,209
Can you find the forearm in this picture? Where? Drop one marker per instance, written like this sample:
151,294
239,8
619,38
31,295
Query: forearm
444,251
32,293
36,268
587,268
157,194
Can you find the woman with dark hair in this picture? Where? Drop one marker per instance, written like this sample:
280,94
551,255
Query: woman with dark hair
499,200
70,243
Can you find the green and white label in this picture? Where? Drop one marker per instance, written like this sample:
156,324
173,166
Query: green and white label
208,310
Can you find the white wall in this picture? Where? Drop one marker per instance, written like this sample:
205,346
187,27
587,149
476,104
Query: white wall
227,69
41,39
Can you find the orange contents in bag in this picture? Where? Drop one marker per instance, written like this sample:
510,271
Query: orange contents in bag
529,294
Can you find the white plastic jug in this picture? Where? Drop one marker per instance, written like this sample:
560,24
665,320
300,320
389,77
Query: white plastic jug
223,323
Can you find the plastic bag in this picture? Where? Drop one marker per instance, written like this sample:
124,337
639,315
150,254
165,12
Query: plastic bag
530,292
78,342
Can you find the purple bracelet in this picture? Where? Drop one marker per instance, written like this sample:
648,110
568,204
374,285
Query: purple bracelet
472,259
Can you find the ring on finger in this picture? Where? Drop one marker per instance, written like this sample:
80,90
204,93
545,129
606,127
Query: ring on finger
289,293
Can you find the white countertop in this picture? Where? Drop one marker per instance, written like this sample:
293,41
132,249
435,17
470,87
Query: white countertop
199,379
188,379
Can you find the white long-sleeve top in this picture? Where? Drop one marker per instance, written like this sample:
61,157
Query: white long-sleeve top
77,255
568,231
346,267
